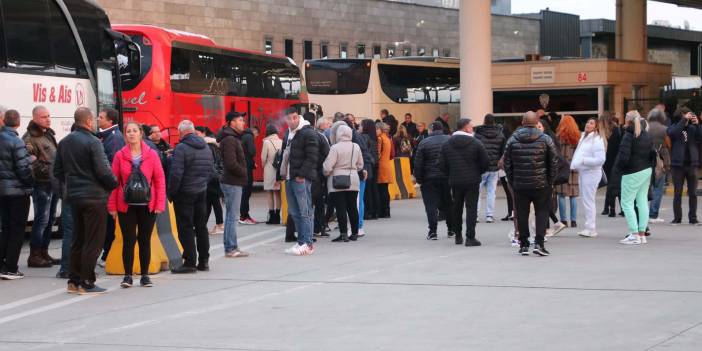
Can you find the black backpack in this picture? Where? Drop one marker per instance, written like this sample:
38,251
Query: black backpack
137,191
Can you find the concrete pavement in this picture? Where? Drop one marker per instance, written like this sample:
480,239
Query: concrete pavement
392,290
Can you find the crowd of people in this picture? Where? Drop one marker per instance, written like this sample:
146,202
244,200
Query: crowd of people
330,169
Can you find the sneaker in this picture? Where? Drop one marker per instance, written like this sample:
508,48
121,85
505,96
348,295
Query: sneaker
432,236
489,219
472,242
514,242
11,275
300,250
694,222
250,221
451,234
540,250
557,228
643,239
203,267
549,232
217,229
127,282
524,251
62,275
72,288
101,263
573,224
145,281
631,239
184,270
656,220
587,233
361,232
675,222
92,290
236,253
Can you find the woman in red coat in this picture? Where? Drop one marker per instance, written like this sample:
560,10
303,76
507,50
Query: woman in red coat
137,217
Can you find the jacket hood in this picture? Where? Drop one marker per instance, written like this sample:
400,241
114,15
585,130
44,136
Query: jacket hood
527,134
210,140
225,132
343,133
460,140
334,132
126,154
35,131
490,132
194,141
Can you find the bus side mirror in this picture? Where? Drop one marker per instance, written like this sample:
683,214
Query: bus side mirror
134,60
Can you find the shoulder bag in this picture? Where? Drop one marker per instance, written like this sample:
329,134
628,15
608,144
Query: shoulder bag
343,182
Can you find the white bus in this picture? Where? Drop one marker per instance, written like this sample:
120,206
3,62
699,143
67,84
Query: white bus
426,87
61,54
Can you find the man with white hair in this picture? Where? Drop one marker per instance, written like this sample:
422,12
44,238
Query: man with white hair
192,167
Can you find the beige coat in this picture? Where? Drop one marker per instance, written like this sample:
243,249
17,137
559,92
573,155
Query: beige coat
270,146
340,162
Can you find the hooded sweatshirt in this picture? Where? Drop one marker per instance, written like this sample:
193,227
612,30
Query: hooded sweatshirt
345,158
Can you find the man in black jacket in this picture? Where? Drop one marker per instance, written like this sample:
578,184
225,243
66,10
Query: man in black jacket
436,193
531,164
192,167
686,136
15,186
464,159
247,143
300,167
490,134
82,165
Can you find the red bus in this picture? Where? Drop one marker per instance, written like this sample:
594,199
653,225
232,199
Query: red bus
188,76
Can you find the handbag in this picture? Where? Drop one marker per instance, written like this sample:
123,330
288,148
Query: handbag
603,180
137,191
343,182
563,174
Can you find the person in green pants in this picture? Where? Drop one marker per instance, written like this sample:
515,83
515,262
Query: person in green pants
635,161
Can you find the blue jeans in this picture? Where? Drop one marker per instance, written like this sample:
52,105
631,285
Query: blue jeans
573,207
232,204
489,182
658,190
44,202
67,226
361,204
299,197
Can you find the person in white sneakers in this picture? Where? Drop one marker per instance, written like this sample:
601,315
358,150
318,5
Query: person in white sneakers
635,161
299,166
588,159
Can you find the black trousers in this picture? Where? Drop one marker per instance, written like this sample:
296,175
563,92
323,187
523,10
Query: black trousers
246,195
370,198
13,217
436,196
681,175
191,220
611,199
510,203
290,229
319,201
522,202
109,236
383,200
345,204
89,222
137,224
214,203
465,197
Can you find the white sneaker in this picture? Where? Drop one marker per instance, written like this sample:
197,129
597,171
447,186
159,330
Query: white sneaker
656,220
361,232
512,239
300,250
489,219
557,228
549,233
217,229
643,239
631,239
588,233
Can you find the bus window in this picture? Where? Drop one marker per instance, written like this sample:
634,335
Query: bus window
66,54
105,83
414,84
337,77
26,24
146,49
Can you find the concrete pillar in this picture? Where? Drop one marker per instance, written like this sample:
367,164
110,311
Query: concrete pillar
476,59
631,33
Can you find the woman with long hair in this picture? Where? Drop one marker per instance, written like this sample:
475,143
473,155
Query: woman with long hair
271,145
402,142
635,162
588,159
135,210
568,135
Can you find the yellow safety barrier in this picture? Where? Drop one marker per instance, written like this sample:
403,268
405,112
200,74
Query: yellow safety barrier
165,247
403,187
283,204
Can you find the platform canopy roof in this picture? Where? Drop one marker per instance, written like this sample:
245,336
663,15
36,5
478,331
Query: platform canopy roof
685,3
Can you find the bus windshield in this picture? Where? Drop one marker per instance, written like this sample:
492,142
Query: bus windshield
337,77
129,81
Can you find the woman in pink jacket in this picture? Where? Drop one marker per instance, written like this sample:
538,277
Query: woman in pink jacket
137,199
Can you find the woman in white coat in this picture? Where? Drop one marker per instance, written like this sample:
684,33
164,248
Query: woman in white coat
344,160
588,160
270,147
